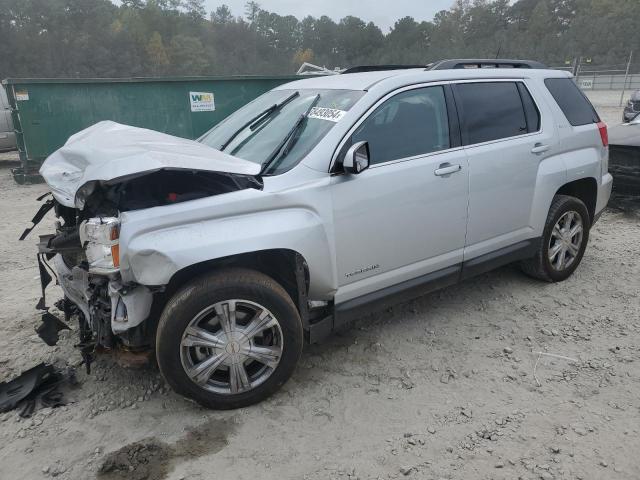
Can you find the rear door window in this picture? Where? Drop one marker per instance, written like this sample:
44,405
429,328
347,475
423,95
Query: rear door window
491,111
572,101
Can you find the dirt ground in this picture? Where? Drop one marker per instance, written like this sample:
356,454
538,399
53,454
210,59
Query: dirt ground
501,377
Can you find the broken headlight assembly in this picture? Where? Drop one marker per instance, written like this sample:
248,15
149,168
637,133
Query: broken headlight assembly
100,239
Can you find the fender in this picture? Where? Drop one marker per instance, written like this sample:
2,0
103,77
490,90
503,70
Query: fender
556,171
157,243
552,174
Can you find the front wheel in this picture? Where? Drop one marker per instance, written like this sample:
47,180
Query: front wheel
563,242
229,339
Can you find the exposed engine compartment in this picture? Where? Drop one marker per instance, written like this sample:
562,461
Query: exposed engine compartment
66,241
163,187
112,314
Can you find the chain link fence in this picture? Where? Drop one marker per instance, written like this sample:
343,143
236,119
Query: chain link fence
596,80
621,78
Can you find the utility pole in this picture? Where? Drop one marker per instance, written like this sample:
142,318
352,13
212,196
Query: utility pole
626,76
576,67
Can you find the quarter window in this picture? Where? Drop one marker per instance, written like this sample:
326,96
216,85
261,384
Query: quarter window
411,123
493,110
572,101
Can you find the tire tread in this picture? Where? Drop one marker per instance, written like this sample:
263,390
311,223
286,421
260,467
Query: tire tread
535,266
255,284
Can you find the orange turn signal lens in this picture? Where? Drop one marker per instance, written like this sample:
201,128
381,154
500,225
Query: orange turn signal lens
115,255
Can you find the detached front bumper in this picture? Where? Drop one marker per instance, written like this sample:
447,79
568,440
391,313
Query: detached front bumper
74,283
126,306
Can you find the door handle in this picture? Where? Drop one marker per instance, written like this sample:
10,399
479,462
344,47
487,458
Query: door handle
447,169
539,148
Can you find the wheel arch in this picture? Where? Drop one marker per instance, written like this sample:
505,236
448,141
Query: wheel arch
584,189
287,267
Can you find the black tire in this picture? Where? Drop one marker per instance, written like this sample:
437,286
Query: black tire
539,266
207,290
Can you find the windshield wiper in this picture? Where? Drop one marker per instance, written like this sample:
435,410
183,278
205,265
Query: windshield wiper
290,139
253,122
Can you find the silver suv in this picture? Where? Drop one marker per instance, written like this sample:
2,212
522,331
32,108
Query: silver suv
320,200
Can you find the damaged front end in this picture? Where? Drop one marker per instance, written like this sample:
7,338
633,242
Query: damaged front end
92,185
83,255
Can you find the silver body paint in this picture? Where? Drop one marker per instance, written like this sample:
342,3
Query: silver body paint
395,221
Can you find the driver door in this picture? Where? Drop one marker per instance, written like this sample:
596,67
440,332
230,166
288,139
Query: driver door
406,215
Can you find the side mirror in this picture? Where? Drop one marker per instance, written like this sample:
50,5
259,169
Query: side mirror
356,159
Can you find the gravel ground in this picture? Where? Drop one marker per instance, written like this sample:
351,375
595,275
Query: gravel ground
9,158
500,377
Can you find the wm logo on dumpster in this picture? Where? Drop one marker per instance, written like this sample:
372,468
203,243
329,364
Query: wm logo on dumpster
202,101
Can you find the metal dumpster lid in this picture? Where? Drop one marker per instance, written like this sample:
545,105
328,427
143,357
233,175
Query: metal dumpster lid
24,81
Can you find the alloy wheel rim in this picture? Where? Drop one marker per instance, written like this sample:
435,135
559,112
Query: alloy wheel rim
231,347
566,240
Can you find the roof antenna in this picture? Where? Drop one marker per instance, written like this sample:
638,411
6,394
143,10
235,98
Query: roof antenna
498,52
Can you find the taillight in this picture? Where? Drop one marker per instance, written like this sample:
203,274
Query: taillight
604,134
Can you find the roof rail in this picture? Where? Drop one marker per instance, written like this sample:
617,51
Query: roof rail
377,68
484,63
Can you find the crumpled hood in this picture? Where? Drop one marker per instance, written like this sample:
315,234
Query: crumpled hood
108,151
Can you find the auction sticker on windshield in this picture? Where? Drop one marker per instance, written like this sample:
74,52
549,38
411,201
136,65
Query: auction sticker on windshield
323,113
202,102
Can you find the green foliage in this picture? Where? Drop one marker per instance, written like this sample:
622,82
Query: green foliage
187,54
156,53
96,38
195,9
222,14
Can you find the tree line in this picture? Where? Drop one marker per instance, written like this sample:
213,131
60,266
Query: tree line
97,38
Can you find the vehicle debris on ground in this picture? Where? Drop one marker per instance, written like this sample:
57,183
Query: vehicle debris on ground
39,387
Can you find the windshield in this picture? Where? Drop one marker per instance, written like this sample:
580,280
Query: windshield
279,128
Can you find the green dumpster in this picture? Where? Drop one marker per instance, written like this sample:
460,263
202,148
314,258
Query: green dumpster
46,112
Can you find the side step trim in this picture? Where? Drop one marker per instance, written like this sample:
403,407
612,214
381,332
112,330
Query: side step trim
348,311
499,258
395,294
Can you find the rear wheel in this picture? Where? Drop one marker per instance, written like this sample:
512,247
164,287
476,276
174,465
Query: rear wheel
563,242
229,339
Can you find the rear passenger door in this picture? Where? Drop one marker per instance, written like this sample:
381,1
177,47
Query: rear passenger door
506,138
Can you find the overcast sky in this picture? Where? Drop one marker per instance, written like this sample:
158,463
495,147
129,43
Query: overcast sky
383,13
